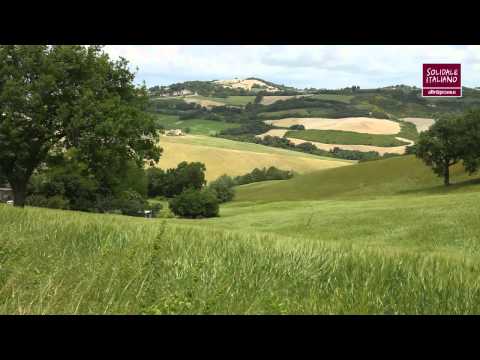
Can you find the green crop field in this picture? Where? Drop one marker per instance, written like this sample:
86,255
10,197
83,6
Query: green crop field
345,137
196,126
238,100
414,251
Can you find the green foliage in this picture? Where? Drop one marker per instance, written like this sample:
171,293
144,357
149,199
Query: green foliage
223,188
70,179
443,145
297,127
258,99
132,177
309,148
62,96
132,203
471,140
251,128
53,202
174,181
193,203
257,175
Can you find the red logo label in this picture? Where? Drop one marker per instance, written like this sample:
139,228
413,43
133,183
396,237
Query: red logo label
442,80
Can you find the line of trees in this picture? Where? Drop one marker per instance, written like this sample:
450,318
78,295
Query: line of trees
451,140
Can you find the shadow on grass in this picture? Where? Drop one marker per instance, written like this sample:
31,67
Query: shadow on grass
442,189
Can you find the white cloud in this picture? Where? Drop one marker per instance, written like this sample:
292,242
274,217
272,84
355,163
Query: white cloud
296,65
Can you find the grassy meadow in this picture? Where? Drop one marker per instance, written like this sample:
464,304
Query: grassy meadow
396,244
397,176
345,137
332,263
196,126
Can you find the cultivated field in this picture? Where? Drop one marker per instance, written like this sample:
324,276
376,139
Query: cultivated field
269,100
357,124
210,102
345,137
222,156
204,102
327,146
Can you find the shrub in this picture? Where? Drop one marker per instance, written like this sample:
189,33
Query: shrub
173,181
223,188
272,173
36,200
195,204
297,127
54,202
131,203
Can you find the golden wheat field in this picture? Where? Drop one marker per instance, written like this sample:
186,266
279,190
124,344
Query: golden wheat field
222,156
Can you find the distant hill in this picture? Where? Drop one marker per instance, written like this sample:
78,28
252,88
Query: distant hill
223,88
248,84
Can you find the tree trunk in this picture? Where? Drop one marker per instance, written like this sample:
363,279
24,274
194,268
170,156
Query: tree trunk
19,193
446,175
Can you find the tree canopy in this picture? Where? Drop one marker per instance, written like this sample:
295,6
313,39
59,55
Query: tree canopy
58,97
449,141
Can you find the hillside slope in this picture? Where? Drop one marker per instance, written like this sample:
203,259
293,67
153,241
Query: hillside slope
222,156
392,176
418,255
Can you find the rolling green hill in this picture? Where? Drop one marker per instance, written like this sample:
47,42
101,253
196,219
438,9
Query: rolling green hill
409,254
395,176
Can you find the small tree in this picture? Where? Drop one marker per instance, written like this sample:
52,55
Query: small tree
195,204
442,146
258,98
223,188
297,127
131,203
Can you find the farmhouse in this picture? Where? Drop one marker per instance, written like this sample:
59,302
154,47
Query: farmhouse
174,132
6,194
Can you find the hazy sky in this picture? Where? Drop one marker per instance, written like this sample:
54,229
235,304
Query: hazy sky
325,66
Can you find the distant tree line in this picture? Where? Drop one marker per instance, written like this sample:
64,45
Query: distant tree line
307,147
203,88
264,174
